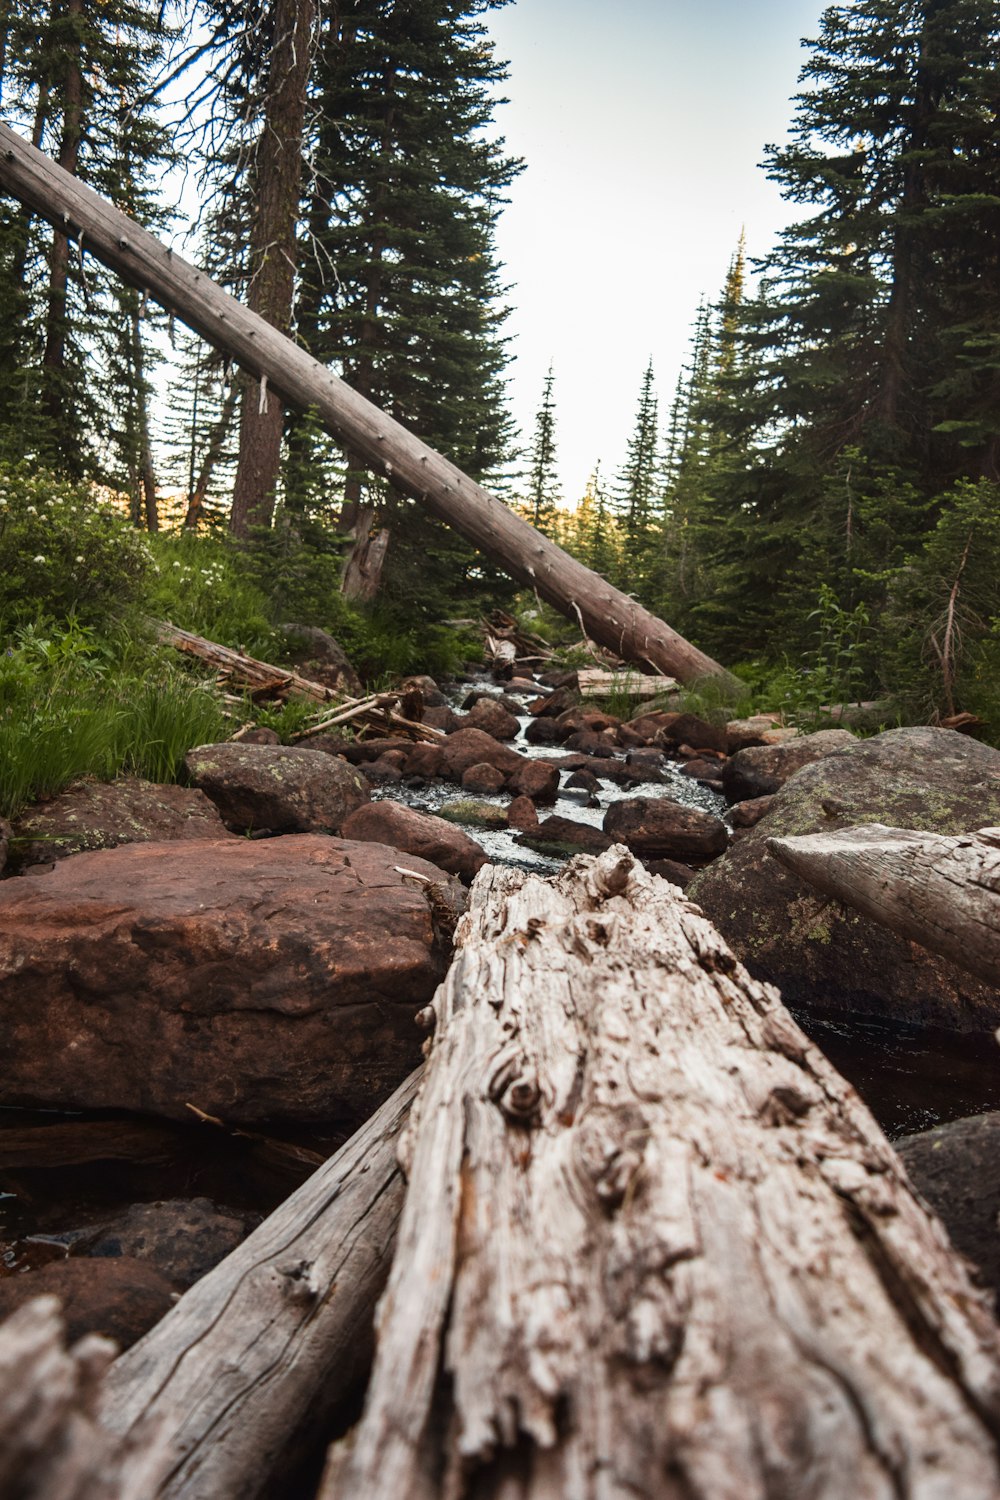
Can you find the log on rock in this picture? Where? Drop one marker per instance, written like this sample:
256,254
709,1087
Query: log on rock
594,682
653,1244
609,616
940,891
263,1348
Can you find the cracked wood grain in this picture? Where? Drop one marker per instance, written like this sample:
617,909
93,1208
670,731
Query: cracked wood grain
653,1244
940,891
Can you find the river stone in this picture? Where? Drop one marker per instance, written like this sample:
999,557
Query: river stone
278,787
420,833
689,729
259,981
564,836
760,729
821,953
473,747
483,779
319,657
760,770
102,815
659,827
537,779
427,688
121,1299
182,1238
546,732
956,1168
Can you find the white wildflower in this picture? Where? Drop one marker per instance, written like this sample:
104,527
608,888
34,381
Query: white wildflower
39,557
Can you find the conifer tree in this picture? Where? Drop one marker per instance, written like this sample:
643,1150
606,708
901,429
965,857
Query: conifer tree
542,494
637,490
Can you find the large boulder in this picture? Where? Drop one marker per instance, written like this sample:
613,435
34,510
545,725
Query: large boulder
277,787
492,717
181,1238
121,1299
319,657
956,1167
258,980
420,833
102,815
760,770
474,747
820,953
659,827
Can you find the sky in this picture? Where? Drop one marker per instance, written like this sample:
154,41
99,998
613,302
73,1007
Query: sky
643,123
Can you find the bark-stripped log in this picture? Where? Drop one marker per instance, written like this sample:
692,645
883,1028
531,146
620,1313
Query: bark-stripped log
940,891
51,1446
653,1244
264,1347
259,678
610,617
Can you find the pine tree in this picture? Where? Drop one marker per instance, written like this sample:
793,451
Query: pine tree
638,485
541,493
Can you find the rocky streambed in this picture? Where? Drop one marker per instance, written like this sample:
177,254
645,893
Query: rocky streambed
215,984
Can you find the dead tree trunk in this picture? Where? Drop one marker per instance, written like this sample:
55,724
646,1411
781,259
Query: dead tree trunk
607,615
266,1345
941,892
653,1244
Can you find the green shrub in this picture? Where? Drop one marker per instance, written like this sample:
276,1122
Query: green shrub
204,584
64,552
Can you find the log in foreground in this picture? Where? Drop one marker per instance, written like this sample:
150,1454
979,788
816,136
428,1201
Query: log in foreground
940,891
255,1356
653,1244
394,453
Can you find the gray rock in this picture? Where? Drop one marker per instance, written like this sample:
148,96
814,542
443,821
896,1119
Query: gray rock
278,787
182,1238
820,953
660,828
760,770
956,1168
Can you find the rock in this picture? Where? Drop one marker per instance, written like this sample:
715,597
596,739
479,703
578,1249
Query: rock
4,841
285,789
441,718
546,732
102,815
589,742
702,770
762,769
672,870
388,767
748,814
255,734
689,729
121,1299
648,761
760,729
427,688
537,779
522,814
820,953
646,728
434,839
493,719
471,747
483,779
474,814
955,1168
565,836
587,720
181,1238
527,685
585,780
552,703
319,657
259,981
357,752
659,827
424,760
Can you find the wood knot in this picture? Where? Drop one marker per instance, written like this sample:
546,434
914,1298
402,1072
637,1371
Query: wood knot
426,1019
297,1281
520,1099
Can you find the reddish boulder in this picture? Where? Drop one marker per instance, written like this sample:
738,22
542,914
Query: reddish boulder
278,787
427,688
546,732
483,779
748,814
659,827
102,815
760,770
537,779
471,747
565,836
121,1299
424,760
760,729
441,717
419,833
552,703
260,981
689,729
646,728
522,814
592,742
181,1238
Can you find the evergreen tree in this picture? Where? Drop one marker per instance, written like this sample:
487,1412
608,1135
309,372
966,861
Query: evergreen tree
541,497
638,486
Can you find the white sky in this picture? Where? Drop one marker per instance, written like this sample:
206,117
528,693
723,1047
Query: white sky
642,123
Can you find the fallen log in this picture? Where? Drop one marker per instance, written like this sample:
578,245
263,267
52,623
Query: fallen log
593,682
386,445
653,1245
262,1349
259,678
939,891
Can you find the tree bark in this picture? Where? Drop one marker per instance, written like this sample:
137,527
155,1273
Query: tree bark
653,1244
269,1341
608,616
942,892
258,677
54,354
278,177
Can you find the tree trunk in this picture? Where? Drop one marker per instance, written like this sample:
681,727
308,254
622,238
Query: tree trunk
653,1244
213,453
276,1335
277,177
606,615
54,354
364,562
942,892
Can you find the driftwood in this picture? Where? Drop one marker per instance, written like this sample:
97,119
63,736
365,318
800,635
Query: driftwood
268,1343
653,1244
592,682
51,1446
942,892
392,452
259,678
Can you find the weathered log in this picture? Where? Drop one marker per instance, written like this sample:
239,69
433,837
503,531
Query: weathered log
258,677
940,891
392,451
51,1446
593,682
653,1244
265,1346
